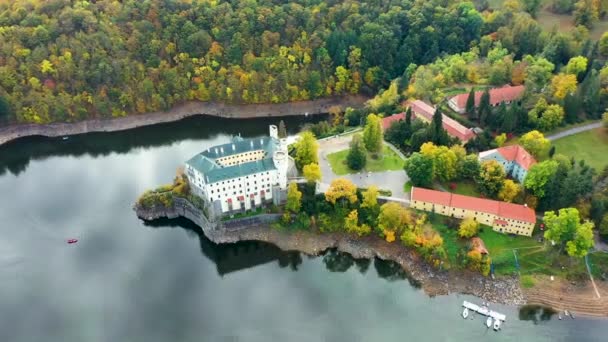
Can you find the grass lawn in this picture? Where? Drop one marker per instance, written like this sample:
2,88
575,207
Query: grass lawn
592,146
388,160
407,187
467,188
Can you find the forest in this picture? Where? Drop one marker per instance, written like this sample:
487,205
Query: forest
67,60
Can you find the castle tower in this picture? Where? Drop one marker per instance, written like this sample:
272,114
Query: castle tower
280,157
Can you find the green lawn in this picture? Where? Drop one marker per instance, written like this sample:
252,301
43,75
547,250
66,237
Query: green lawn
388,160
467,188
592,146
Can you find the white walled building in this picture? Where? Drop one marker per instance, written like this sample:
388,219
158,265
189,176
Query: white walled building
242,174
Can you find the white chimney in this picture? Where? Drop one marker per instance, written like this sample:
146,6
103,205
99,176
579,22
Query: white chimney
216,150
222,150
251,143
233,148
262,142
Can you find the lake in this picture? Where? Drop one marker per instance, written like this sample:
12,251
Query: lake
164,281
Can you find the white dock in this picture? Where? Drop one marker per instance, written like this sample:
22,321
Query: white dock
484,311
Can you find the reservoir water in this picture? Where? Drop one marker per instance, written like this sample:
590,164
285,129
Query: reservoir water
129,281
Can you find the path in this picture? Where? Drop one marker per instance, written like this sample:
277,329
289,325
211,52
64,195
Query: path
574,130
597,293
388,180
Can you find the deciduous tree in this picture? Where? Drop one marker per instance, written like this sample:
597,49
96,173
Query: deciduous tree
539,175
372,134
563,84
491,177
294,198
535,143
566,228
468,228
419,169
393,218
306,149
312,172
509,191
341,189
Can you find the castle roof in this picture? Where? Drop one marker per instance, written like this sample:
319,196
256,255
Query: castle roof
514,153
207,163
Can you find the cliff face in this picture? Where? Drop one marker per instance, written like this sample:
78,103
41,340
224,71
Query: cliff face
179,112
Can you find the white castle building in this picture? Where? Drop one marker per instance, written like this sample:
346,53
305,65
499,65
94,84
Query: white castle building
242,174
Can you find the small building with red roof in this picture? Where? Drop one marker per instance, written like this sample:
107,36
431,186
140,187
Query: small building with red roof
507,94
501,216
424,111
515,160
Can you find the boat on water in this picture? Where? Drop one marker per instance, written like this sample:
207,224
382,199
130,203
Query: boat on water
566,313
66,138
489,322
496,324
559,316
465,313
72,241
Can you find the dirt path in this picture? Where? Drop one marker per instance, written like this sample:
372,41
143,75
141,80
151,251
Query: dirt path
192,108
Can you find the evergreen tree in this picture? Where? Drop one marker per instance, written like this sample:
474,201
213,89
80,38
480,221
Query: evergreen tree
509,121
282,129
495,120
437,134
357,156
552,151
408,118
590,88
572,105
484,109
470,106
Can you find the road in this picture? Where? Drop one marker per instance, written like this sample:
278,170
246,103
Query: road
574,130
389,180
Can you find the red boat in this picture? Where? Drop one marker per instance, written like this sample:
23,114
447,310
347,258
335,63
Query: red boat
71,241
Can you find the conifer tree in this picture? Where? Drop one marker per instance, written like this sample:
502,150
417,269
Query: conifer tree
470,106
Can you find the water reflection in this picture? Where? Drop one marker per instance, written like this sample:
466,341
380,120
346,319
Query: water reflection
15,156
535,313
242,255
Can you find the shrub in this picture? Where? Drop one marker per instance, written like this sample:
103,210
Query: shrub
527,281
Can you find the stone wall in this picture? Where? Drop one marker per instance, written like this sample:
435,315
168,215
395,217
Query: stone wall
191,108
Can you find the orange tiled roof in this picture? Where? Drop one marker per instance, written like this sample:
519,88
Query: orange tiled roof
388,121
502,209
517,154
431,196
497,95
453,127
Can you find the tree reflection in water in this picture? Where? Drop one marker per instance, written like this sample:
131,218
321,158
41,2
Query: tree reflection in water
535,313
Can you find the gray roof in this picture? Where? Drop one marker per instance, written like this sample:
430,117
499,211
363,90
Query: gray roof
205,163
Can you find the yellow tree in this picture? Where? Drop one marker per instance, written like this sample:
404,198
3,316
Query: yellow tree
294,198
312,172
370,197
535,143
468,228
509,190
393,219
563,84
351,224
306,149
341,188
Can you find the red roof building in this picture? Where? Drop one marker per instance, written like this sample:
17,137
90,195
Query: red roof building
423,111
506,94
515,160
502,216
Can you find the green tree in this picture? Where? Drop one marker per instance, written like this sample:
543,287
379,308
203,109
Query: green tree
605,119
491,177
294,199
484,110
5,109
468,228
351,224
357,156
539,176
603,45
585,13
576,65
572,105
372,134
469,167
551,118
306,150
532,6
312,172
535,143
419,169
470,106
603,228
370,197
500,139
565,227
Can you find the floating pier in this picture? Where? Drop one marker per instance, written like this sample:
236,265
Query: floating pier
484,311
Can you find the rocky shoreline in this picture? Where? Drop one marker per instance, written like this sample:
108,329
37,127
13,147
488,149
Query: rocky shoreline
182,111
502,290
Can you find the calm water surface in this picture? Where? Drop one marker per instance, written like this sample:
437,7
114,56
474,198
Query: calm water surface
128,281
